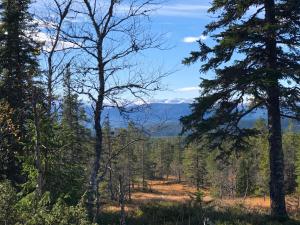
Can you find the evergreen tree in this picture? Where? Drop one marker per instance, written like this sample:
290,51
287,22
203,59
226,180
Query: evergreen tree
290,145
195,165
108,135
8,131
255,57
177,163
18,65
261,147
67,173
244,179
297,172
18,52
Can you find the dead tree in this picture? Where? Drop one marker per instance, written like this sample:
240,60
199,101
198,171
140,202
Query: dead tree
113,33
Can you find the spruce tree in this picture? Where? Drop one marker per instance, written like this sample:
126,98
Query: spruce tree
195,165
18,65
255,57
261,145
18,50
72,147
290,145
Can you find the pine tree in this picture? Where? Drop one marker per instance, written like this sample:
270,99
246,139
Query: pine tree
255,57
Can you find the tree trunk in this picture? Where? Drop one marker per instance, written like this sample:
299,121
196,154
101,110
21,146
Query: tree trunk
38,160
93,183
197,173
122,201
143,167
277,195
110,182
129,189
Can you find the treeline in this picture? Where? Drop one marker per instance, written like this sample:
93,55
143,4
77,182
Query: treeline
241,173
247,172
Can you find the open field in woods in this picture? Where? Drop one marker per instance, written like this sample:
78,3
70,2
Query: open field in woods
169,202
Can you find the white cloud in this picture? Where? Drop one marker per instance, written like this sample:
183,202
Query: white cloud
194,39
188,89
175,10
183,10
48,42
165,101
178,100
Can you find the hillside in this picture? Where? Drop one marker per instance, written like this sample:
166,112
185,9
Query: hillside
162,119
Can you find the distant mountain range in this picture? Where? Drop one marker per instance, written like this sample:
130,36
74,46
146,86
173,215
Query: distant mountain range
162,119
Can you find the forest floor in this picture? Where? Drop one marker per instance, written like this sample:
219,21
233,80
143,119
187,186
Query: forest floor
168,202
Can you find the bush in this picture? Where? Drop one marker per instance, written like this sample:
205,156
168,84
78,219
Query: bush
43,213
8,199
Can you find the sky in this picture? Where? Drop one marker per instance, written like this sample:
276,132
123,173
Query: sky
183,21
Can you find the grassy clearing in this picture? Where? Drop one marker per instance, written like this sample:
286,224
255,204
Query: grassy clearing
170,203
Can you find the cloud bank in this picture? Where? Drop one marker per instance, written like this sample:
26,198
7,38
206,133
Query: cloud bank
193,39
188,89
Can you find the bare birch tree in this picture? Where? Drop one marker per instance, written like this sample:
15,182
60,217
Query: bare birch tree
55,50
54,58
110,34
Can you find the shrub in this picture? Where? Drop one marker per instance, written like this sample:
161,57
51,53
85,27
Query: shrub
8,199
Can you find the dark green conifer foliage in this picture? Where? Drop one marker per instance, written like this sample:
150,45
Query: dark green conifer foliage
69,178
256,58
18,53
18,65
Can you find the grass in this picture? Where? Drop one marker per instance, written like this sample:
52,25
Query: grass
171,204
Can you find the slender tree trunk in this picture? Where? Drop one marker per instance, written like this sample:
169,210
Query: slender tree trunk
247,187
38,160
129,157
129,190
93,194
122,201
143,167
277,195
110,182
197,172
179,165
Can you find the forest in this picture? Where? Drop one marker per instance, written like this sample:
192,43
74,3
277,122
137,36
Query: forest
65,65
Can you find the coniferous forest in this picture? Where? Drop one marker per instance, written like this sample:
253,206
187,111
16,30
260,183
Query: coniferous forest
67,65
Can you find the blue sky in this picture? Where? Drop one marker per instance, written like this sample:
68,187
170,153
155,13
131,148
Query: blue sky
183,21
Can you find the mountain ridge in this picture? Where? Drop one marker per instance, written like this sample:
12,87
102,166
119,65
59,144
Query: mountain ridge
162,119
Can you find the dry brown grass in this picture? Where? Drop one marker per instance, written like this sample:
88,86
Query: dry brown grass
165,191
259,203
172,191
